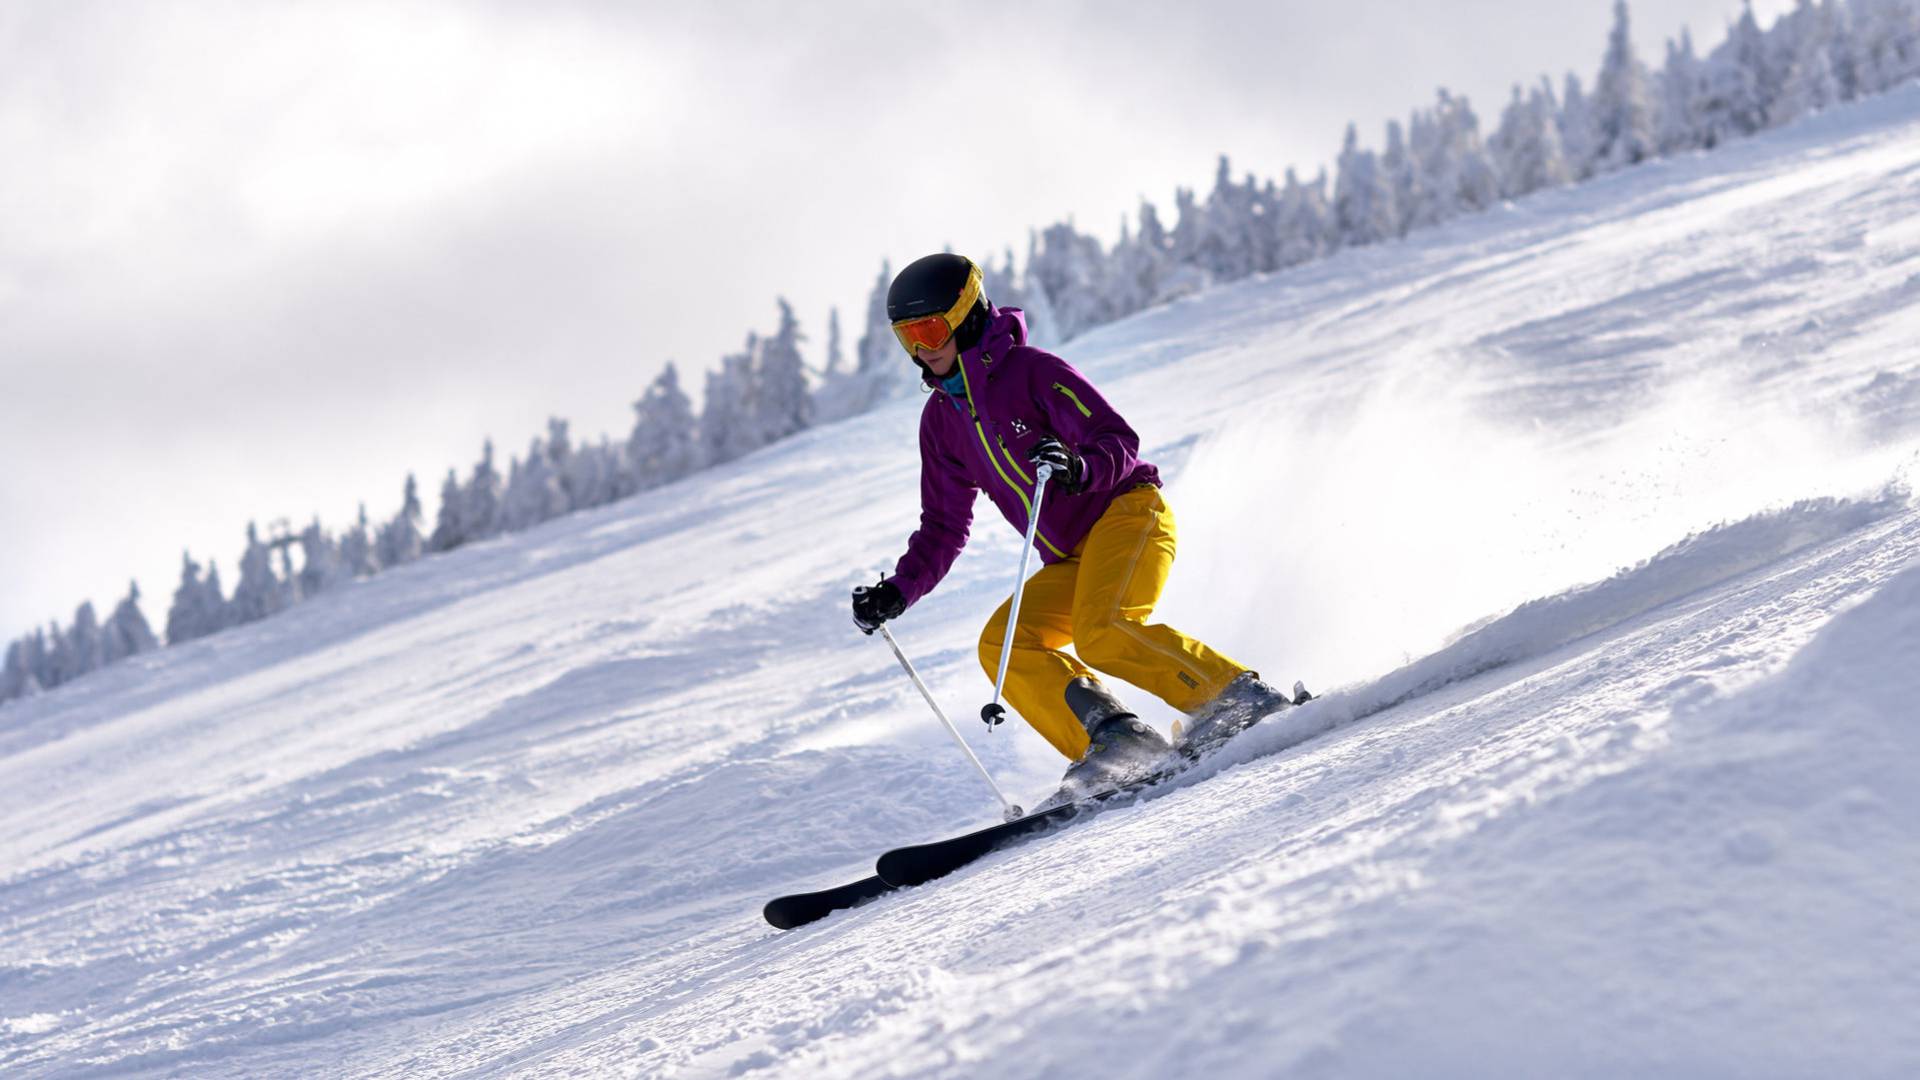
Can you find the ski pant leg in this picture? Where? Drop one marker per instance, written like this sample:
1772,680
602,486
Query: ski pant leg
1039,669
1123,568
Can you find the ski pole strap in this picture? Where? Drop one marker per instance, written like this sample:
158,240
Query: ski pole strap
1008,805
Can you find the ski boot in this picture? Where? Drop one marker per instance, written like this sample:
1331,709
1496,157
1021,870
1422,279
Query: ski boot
1123,750
1247,699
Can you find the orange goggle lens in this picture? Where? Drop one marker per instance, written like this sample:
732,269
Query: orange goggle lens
928,332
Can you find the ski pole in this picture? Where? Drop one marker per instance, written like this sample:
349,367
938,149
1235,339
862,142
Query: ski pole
1011,808
993,712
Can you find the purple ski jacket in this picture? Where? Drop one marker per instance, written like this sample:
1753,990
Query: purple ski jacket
1015,395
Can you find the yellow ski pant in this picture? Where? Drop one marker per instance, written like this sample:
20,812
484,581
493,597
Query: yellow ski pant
1098,601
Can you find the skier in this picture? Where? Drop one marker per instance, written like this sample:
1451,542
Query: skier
999,408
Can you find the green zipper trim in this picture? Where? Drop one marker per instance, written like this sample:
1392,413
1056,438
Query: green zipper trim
1084,411
1013,461
981,431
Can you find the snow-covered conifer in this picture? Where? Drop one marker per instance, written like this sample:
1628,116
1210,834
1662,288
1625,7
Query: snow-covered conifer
259,592
1069,266
1576,128
1677,127
81,648
400,540
598,473
533,492
1362,199
480,499
1876,55
447,528
782,404
183,616
1402,175
126,632
1527,148
836,361
1836,25
1306,225
1732,99
1622,108
878,353
664,444
321,564
357,554
216,607
1810,83
726,423
17,679
1224,245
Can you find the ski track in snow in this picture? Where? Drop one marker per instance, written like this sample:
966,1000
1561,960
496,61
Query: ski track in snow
514,810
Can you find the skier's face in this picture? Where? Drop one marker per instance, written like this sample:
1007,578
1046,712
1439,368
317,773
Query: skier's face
940,361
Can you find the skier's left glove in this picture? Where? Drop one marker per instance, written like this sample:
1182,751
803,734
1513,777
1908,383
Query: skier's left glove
1067,465
875,604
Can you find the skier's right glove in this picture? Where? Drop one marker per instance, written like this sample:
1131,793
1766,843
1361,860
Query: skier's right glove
1068,466
875,604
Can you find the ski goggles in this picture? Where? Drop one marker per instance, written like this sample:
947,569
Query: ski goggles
930,332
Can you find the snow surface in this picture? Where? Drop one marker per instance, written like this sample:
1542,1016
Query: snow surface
1590,514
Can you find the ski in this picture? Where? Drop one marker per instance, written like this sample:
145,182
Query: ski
787,912
921,863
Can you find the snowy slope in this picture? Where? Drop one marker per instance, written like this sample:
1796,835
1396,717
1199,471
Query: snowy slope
514,810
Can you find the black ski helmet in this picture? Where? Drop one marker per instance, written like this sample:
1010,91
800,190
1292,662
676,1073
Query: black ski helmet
935,285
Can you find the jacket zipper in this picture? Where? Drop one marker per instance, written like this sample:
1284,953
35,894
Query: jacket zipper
981,431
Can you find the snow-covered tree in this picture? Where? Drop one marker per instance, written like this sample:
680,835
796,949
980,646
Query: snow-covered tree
1402,175
1224,244
727,429
357,554
1810,83
1069,266
1732,99
81,650
449,527
1306,221
1622,106
1677,127
199,606
878,354
127,632
1362,199
782,405
17,677
836,358
260,592
321,565
481,498
664,445
1139,262
400,540
1526,148
1576,128
597,474
533,493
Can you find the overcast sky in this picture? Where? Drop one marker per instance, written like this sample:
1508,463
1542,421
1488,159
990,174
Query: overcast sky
259,260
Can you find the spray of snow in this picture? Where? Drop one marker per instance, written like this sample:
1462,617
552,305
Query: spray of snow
1377,528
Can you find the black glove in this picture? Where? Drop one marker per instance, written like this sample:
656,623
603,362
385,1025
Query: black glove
875,604
1067,465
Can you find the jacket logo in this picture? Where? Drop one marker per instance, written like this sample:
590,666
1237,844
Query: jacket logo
1019,426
